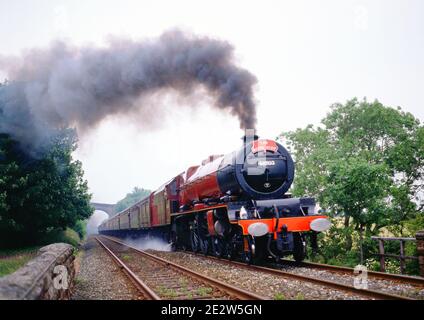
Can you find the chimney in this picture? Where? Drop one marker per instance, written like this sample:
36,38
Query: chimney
249,136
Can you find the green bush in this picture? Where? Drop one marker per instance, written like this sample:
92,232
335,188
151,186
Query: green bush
81,228
67,236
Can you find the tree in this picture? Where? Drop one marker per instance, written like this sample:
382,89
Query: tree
364,163
131,198
39,195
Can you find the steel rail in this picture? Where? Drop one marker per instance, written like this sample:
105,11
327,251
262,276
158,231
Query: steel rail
231,290
376,274
141,286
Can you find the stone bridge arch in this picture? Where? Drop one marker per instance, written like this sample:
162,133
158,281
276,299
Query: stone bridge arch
108,208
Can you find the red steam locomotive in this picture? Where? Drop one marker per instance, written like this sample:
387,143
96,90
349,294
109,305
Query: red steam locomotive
233,205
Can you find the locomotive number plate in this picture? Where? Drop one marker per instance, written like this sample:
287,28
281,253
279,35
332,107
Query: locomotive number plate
264,163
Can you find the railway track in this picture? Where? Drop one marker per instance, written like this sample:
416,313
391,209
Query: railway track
337,285
346,270
368,293
157,278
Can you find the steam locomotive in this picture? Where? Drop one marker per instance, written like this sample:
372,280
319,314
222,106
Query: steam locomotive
233,205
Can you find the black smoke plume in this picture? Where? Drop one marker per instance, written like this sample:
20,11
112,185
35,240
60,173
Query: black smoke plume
66,86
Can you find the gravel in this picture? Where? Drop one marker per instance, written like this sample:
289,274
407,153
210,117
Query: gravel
389,286
99,278
166,282
259,282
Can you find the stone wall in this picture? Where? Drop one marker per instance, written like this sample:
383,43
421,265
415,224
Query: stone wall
49,276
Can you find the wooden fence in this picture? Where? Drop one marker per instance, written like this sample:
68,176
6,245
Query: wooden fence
401,257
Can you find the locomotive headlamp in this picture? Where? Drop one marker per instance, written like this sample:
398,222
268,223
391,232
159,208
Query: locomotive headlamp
320,224
258,229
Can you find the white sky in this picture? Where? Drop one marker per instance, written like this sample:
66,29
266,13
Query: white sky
305,54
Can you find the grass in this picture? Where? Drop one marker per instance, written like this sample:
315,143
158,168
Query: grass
12,259
279,296
168,293
10,265
183,281
7,253
79,281
204,291
189,296
300,296
126,258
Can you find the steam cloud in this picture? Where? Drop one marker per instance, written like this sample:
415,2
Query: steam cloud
149,243
65,86
95,221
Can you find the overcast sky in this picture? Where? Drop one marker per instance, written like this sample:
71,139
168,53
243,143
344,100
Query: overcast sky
305,54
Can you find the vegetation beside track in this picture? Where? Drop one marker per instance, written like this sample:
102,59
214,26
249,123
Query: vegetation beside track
365,166
43,198
43,194
12,260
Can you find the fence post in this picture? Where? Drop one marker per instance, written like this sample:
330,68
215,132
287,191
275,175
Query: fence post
381,251
402,257
420,250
